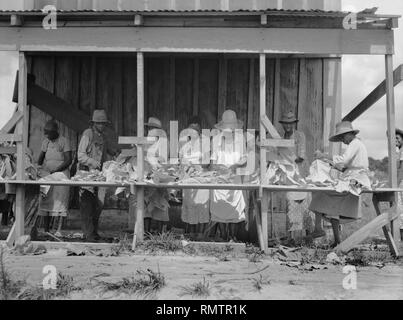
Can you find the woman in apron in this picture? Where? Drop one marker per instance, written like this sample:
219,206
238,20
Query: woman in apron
55,157
341,207
229,153
195,207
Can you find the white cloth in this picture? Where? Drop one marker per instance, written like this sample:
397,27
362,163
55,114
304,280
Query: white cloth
195,207
354,157
228,206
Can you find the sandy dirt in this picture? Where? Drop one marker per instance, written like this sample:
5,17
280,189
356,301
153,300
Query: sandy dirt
233,279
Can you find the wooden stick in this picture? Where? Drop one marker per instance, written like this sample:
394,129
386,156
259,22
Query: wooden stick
11,236
363,233
139,227
263,163
390,104
388,236
17,116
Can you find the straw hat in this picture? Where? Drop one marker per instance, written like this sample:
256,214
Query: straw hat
154,123
342,128
289,117
99,116
229,121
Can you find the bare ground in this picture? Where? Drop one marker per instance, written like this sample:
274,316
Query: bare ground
232,279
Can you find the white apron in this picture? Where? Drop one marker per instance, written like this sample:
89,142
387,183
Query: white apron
228,206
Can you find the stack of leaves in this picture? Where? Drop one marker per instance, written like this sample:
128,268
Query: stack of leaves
92,175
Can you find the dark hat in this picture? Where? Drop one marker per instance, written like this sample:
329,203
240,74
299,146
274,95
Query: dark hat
99,116
51,125
399,132
289,117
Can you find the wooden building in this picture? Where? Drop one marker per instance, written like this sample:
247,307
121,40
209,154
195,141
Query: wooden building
177,58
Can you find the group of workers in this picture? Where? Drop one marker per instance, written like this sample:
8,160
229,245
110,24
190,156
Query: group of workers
224,207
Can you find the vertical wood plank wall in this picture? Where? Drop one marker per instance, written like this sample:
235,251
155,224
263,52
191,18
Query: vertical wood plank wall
174,92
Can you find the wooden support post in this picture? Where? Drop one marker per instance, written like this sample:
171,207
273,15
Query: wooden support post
222,86
388,236
263,163
21,129
390,104
139,227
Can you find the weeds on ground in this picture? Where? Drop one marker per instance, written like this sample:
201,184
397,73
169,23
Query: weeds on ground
124,245
146,283
11,289
199,289
259,283
253,253
166,241
64,286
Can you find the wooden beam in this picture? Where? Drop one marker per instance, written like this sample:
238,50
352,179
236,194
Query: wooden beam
366,231
374,96
283,143
391,118
8,150
269,127
10,125
10,137
201,40
57,108
137,140
20,130
251,89
139,227
263,162
388,236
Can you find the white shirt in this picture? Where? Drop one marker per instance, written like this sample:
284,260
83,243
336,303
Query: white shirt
354,157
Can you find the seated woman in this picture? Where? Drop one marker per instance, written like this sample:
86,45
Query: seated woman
340,207
196,207
55,156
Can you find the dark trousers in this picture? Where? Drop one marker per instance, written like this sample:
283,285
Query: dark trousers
90,210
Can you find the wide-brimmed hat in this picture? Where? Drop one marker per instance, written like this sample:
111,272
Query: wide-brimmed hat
288,117
99,116
51,125
229,121
341,129
399,132
154,123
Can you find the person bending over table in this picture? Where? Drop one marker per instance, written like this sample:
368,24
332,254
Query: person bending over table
340,207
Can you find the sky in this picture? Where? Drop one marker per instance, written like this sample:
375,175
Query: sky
360,75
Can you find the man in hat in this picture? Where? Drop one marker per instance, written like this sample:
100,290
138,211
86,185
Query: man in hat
289,122
91,154
341,207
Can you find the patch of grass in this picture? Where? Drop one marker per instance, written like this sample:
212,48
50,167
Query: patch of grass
259,283
124,245
9,288
146,283
64,286
253,253
166,241
199,289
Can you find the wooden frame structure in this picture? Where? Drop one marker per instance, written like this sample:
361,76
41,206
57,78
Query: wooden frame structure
264,32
